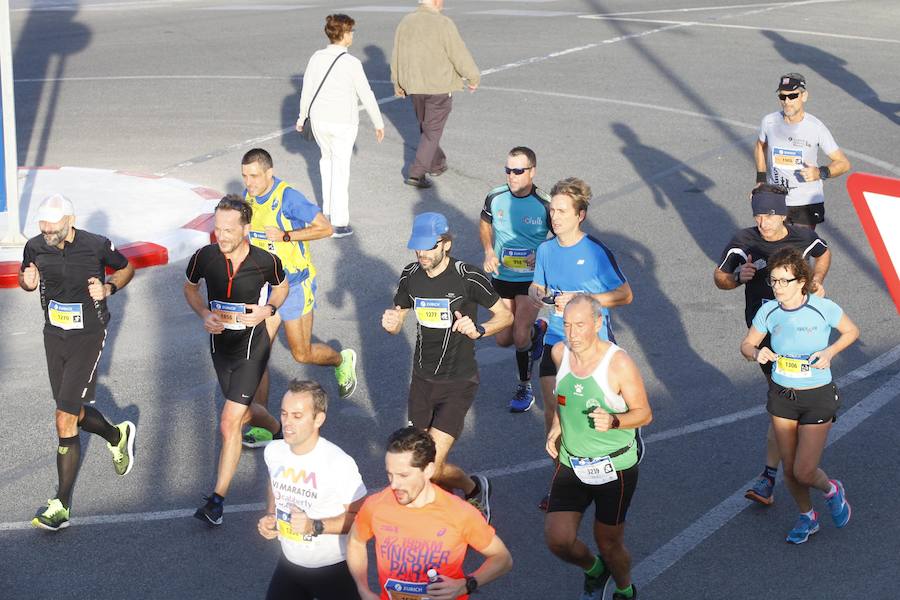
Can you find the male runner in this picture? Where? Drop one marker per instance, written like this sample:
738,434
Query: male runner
314,492
284,222
601,404
787,152
445,294
515,220
69,266
236,274
421,531
745,262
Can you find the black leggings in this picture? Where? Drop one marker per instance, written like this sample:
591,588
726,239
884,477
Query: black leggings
293,582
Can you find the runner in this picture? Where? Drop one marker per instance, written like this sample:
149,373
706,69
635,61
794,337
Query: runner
594,437
284,222
69,265
445,294
745,262
236,274
515,220
313,494
802,400
421,531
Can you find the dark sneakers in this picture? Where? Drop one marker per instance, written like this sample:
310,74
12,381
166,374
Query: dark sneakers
418,182
211,512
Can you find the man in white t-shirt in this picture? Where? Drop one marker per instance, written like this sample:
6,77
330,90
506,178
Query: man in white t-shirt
314,493
787,153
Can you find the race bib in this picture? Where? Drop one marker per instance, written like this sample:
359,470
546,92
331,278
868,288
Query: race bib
433,312
793,366
283,520
228,313
594,471
405,590
516,259
259,239
65,316
787,161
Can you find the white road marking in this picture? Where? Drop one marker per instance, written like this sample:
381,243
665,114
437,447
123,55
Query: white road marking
723,7
507,12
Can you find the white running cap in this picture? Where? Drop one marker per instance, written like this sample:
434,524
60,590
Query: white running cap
54,208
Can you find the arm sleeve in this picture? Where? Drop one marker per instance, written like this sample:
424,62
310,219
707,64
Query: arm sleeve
27,256
365,94
477,533
110,257
816,246
459,55
298,209
276,273
539,277
762,131
609,273
759,320
486,215
401,298
833,312
352,486
194,272
307,90
734,255
826,141
363,520
480,288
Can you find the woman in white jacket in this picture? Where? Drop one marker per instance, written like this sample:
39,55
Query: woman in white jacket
335,116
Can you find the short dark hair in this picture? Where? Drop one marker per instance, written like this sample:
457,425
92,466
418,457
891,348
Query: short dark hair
235,202
319,397
791,260
336,26
258,155
526,152
412,439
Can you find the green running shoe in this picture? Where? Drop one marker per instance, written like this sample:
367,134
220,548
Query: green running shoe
257,437
52,518
345,373
123,452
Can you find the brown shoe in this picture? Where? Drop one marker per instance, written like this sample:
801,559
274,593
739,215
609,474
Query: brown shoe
419,182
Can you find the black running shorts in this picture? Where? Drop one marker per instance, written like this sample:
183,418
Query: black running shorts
547,367
510,289
811,214
72,365
807,407
293,582
441,403
611,500
238,376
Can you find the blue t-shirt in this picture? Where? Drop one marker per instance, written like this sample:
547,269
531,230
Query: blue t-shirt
588,266
795,335
520,225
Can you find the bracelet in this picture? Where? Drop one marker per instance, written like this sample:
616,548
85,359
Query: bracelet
824,172
760,177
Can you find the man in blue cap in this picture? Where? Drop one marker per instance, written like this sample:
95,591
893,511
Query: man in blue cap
444,294
745,262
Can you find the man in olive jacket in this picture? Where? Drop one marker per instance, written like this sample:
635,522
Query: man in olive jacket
430,62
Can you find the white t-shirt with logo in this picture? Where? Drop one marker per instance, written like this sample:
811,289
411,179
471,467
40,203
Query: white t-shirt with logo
320,482
791,145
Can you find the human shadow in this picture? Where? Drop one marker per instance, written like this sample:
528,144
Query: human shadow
834,69
684,188
294,144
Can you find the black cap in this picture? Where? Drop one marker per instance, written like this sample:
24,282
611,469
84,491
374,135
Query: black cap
765,202
791,81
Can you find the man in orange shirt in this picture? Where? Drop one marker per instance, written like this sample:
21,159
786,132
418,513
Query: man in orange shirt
419,527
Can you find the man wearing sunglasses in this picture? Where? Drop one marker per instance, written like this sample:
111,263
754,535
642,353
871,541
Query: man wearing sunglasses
787,151
744,262
515,220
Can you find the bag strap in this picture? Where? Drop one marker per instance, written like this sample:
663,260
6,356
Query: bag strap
323,81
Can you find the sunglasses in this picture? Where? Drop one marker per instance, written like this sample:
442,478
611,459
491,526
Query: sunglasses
516,171
793,96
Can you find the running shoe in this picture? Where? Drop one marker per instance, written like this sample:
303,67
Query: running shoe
211,512
594,586
537,339
804,528
618,596
52,518
345,373
342,231
523,400
257,437
544,504
123,452
762,491
838,505
482,500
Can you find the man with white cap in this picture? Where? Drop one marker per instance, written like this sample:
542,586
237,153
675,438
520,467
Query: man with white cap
69,266
444,294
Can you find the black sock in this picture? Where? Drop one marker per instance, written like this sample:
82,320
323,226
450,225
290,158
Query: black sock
523,362
217,499
770,473
95,422
476,489
68,460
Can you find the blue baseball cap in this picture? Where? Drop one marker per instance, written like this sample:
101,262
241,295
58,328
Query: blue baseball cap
427,230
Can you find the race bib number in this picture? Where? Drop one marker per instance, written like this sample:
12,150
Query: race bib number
787,161
65,316
433,312
285,532
594,471
228,313
794,367
516,259
405,590
259,239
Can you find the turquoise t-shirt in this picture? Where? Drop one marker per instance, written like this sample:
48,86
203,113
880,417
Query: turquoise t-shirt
520,225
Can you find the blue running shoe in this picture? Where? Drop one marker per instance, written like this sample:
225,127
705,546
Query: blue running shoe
762,491
838,505
538,331
523,400
804,528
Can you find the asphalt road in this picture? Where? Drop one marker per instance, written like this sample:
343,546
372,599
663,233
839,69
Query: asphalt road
656,109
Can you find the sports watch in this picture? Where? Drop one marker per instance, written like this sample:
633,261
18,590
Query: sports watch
480,330
286,237
471,584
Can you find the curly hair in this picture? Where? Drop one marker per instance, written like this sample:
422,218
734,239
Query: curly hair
791,260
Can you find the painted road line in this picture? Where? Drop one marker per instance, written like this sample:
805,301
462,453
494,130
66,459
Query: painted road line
722,7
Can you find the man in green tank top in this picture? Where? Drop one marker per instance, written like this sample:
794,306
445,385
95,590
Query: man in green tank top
595,436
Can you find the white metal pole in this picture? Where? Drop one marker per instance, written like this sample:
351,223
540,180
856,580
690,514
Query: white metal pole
12,235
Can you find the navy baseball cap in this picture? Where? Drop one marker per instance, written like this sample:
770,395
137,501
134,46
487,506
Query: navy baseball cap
768,203
427,230
791,81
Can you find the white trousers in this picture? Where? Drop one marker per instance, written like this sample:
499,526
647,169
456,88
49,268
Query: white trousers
335,141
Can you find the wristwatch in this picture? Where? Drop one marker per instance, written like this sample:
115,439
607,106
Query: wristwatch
318,527
480,330
286,237
113,288
615,422
471,584
272,306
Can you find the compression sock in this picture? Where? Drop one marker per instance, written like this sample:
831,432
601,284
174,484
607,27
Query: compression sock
523,362
627,592
94,422
597,568
770,473
68,460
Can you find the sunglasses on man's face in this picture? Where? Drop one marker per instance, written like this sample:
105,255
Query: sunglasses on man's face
516,171
793,96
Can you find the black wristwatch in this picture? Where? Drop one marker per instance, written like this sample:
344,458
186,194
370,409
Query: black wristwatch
615,422
286,237
113,288
318,527
272,306
471,584
480,330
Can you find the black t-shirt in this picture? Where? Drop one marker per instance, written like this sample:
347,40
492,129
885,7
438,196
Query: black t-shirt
228,291
67,305
441,353
749,242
